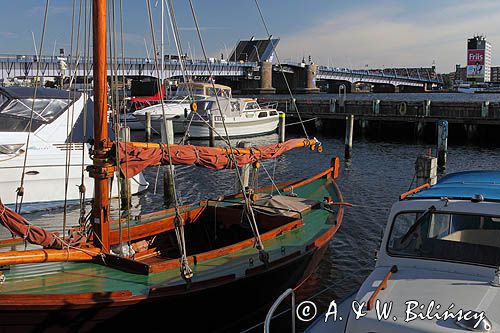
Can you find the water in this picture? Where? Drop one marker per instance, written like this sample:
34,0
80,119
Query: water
377,174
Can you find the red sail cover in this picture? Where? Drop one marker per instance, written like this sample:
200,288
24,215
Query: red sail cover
18,226
134,159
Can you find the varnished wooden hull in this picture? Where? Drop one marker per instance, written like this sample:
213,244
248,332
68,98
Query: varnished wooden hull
212,302
212,309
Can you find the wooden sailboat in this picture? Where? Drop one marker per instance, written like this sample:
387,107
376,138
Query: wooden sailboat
232,260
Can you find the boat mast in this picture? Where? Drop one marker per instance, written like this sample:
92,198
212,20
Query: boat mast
101,169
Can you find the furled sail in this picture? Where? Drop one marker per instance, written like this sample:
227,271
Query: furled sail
18,226
135,157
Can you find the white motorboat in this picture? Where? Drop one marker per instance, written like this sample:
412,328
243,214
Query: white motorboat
178,108
56,137
241,117
438,266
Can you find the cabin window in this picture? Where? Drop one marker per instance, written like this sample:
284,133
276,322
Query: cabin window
15,115
262,114
252,106
184,91
235,106
218,92
273,113
205,108
446,236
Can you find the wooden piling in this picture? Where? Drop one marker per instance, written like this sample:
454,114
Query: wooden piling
333,105
281,127
125,189
211,131
244,170
426,170
349,128
442,143
147,128
167,136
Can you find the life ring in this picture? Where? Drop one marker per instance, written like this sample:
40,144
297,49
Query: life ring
402,108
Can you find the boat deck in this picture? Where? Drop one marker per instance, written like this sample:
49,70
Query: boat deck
90,277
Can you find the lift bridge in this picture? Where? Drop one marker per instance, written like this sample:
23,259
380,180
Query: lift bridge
28,67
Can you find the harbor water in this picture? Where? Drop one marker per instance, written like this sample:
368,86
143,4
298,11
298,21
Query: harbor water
372,180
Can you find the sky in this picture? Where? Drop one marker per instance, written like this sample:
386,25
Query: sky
353,34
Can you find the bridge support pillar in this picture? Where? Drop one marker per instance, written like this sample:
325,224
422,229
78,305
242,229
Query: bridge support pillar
266,78
396,89
310,80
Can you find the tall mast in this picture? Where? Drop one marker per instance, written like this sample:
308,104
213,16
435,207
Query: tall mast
162,77
101,169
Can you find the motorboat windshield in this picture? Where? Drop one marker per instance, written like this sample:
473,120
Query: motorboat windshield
456,237
17,107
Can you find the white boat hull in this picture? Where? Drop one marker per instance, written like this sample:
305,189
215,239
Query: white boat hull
44,179
236,127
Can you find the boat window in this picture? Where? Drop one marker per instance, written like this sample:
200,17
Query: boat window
3,100
273,113
262,114
252,106
447,236
15,115
235,106
218,92
183,91
205,108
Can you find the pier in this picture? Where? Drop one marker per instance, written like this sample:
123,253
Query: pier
424,111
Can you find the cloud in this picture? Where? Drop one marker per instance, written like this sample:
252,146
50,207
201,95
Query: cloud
392,36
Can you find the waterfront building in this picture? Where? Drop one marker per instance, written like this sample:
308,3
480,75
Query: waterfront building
478,59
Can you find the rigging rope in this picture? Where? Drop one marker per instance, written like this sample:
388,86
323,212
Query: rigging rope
281,68
263,255
186,271
86,66
20,189
72,101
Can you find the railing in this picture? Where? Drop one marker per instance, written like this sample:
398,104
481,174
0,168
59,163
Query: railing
269,316
269,105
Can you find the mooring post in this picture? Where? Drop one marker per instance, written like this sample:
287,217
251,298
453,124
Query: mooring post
167,136
281,128
211,132
442,143
485,106
376,106
426,170
349,128
125,190
244,170
147,128
333,105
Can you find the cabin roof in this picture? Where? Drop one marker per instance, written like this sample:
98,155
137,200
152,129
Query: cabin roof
464,185
206,84
41,93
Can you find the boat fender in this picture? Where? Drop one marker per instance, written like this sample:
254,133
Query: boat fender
185,112
2,278
193,106
402,108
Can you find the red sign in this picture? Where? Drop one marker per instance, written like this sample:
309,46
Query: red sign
475,57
